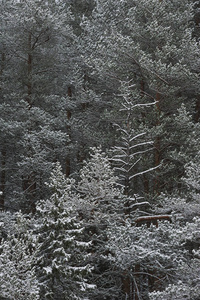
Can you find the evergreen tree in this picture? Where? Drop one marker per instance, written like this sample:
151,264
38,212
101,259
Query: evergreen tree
98,185
124,75
185,284
151,258
184,207
102,205
62,260
17,258
142,42
36,36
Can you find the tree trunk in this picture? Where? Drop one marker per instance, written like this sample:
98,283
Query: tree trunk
3,179
157,145
3,58
197,110
69,114
137,287
29,72
126,283
3,152
29,188
28,181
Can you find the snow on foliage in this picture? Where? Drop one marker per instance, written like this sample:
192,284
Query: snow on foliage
62,260
17,259
102,205
98,185
153,248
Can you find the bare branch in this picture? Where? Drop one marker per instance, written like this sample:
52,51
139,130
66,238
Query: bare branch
143,172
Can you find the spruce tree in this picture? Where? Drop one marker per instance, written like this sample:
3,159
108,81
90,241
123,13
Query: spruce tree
17,259
62,259
102,205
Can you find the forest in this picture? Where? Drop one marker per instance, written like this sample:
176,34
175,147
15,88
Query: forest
99,150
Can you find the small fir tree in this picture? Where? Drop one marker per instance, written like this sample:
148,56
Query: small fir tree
61,261
98,185
103,204
17,259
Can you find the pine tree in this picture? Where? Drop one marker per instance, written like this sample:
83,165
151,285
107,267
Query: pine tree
142,42
147,257
185,284
44,93
184,206
36,34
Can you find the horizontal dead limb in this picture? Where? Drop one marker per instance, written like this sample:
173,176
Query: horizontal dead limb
152,219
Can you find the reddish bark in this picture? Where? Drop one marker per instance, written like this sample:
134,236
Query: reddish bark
29,71
69,115
157,145
29,187
3,179
152,220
